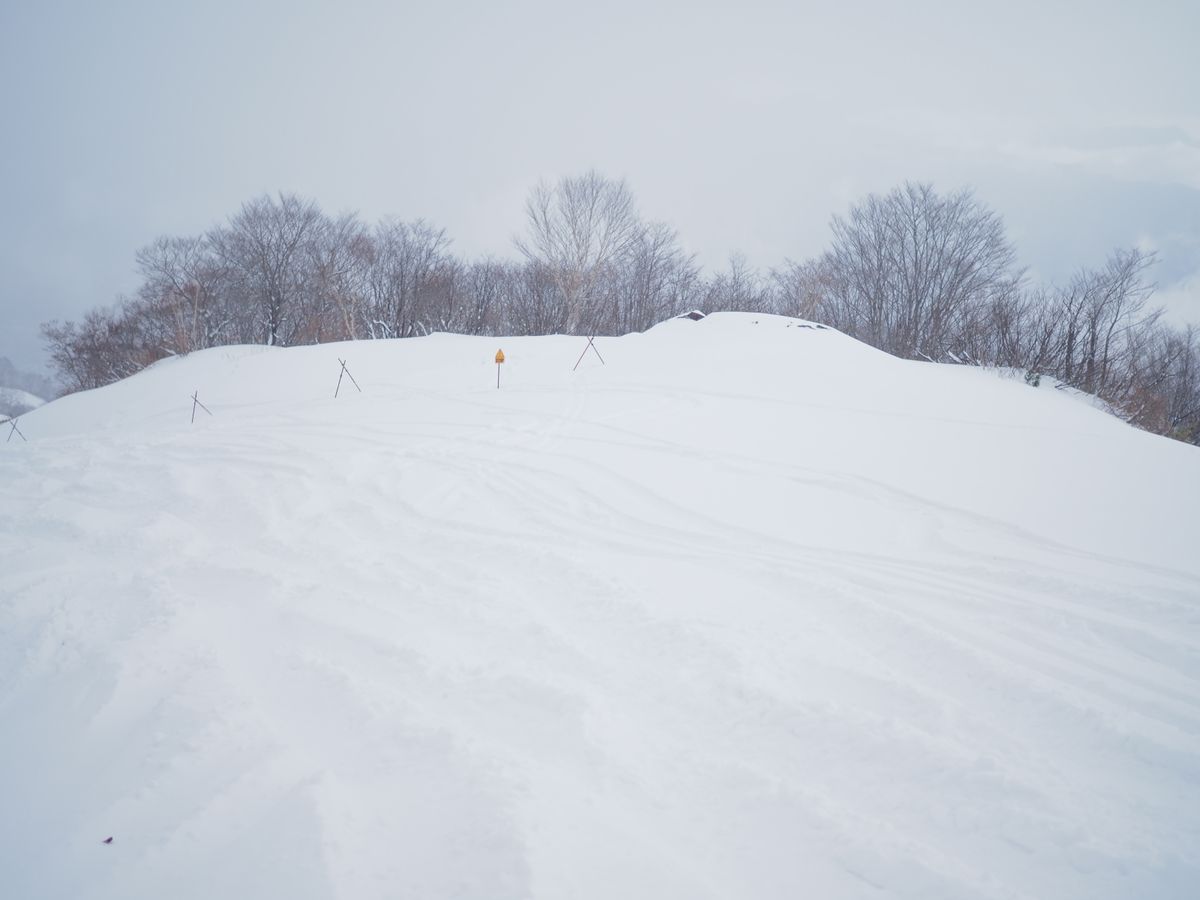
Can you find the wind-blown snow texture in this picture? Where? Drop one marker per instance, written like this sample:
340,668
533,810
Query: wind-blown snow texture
752,611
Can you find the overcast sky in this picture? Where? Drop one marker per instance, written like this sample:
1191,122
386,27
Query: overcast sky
745,125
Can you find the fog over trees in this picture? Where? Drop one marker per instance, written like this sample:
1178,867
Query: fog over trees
918,274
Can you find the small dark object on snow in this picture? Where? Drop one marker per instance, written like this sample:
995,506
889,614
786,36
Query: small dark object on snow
107,840
695,315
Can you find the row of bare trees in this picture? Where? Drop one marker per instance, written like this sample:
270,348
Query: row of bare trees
928,276
282,272
913,272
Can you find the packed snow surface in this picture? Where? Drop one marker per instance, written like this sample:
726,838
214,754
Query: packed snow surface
752,611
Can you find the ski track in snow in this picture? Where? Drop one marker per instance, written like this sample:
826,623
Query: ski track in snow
591,637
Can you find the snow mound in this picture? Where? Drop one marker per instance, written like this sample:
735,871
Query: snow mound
753,610
15,402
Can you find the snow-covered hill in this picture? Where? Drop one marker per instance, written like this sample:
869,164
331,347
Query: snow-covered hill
751,611
22,391
15,402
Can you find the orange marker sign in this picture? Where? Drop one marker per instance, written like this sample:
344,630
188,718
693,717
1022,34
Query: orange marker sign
499,357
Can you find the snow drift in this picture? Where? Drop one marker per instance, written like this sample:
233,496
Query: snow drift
16,402
751,611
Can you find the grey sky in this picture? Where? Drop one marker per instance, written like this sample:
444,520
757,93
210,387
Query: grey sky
745,125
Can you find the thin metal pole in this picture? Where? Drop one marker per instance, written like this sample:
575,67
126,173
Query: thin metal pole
196,402
345,372
591,343
578,361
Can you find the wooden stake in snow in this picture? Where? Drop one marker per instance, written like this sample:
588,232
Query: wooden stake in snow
13,429
345,372
196,402
591,343
499,363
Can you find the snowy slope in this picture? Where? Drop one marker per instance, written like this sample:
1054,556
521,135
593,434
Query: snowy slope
752,611
15,402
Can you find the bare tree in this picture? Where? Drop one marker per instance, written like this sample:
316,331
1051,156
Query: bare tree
577,231
906,268
484,286
533,302
411,271
1115,298
342,256
105,346
739,288
1002,330
1091,332
1181,419
803,290
265,246
182,293
653,280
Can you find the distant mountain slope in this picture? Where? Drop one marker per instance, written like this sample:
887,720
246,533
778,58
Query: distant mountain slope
753,610
14,402
30,382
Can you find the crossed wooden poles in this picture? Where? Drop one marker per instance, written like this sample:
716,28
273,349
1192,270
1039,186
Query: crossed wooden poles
196,402
345,372
591,343
13,429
